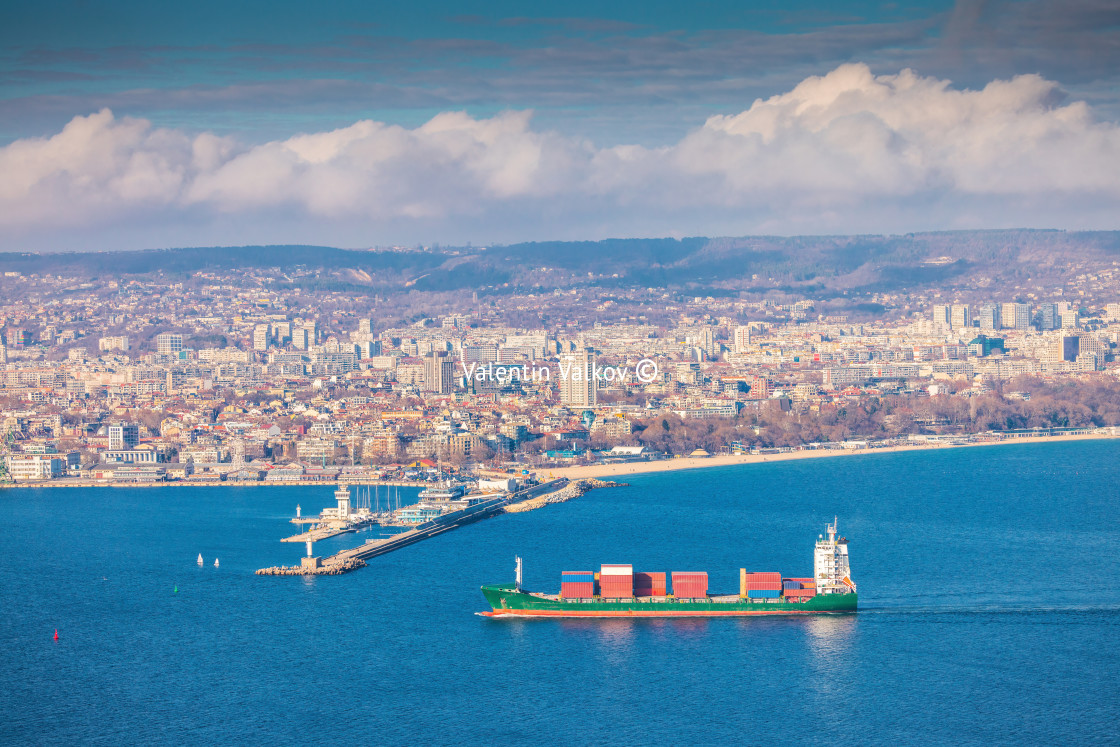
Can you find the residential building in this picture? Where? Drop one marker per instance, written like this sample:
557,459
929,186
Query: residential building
742,339
959,317
1048,316
1016,315
261,336
105,344
438,373
577,379
990,317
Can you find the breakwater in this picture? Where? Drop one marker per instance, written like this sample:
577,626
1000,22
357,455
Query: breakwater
354,558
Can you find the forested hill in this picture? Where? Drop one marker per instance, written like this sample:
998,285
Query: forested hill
812,265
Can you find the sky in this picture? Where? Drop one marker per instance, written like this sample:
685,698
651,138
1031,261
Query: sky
133,125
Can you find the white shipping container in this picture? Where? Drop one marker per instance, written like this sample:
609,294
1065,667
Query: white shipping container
616,570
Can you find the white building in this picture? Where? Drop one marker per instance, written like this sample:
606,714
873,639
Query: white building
742,339
123,436
169,344
577,379
35,466
1016,315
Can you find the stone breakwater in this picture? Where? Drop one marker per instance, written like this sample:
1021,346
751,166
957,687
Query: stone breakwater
327,569
568,492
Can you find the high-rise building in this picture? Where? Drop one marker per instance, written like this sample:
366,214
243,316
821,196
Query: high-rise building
706,340
1048,316
989,316
123,436
959,317
438,372
742,339
941,314
282,333
369,349
577,379
261,336
1068,319
1016,315
169,344
301,338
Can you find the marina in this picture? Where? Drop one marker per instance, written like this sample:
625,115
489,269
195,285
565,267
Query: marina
449,509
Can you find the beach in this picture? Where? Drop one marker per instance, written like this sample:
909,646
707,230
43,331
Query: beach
726,460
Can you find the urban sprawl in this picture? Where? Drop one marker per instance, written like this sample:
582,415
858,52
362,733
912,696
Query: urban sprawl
222,377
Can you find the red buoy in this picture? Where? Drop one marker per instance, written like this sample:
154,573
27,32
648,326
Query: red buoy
56,634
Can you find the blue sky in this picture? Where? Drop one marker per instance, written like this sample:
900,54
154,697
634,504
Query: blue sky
598,79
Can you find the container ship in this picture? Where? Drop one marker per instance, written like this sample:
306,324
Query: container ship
617,591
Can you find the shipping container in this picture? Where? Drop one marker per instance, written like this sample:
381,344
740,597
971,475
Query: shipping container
800,593
763,594
690,584
790,584
764,576
616,570
649,584
577,590
764,585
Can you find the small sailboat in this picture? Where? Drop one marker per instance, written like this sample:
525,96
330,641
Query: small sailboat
215,562
200,558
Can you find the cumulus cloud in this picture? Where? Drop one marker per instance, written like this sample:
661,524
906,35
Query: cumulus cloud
837,152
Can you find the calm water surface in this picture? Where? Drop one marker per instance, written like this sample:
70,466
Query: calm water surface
989,614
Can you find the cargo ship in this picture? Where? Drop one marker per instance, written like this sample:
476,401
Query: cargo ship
617,591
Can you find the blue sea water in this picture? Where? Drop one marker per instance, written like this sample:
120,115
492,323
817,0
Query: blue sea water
990,614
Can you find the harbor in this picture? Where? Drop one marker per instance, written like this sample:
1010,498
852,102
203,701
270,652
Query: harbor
450,511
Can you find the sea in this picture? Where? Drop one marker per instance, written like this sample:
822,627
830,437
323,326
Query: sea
989,613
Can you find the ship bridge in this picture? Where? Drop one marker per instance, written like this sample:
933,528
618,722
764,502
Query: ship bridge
830,564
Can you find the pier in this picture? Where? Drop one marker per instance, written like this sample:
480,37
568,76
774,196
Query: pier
344,561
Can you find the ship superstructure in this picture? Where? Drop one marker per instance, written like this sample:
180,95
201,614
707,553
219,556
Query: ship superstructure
830,564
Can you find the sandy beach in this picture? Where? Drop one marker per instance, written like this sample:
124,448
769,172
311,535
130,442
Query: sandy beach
683,463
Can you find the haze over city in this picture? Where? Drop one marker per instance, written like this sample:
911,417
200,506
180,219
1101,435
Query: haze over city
136,126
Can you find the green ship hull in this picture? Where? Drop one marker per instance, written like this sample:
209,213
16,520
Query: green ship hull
507,601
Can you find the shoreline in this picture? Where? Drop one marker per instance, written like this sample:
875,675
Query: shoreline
620,469
686,463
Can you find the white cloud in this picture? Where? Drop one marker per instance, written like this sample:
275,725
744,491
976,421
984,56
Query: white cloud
847,151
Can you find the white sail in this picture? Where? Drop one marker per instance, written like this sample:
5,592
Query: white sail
215,562
200,558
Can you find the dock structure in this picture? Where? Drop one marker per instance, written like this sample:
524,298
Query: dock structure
353,558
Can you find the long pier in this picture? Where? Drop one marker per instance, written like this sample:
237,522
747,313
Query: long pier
348,560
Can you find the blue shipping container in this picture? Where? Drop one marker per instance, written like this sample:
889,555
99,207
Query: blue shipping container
759,594
791,584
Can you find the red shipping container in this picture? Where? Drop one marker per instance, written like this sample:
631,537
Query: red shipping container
577,590
767,576
649,584
763,585
690,585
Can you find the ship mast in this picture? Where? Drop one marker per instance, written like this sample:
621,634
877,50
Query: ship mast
517,584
